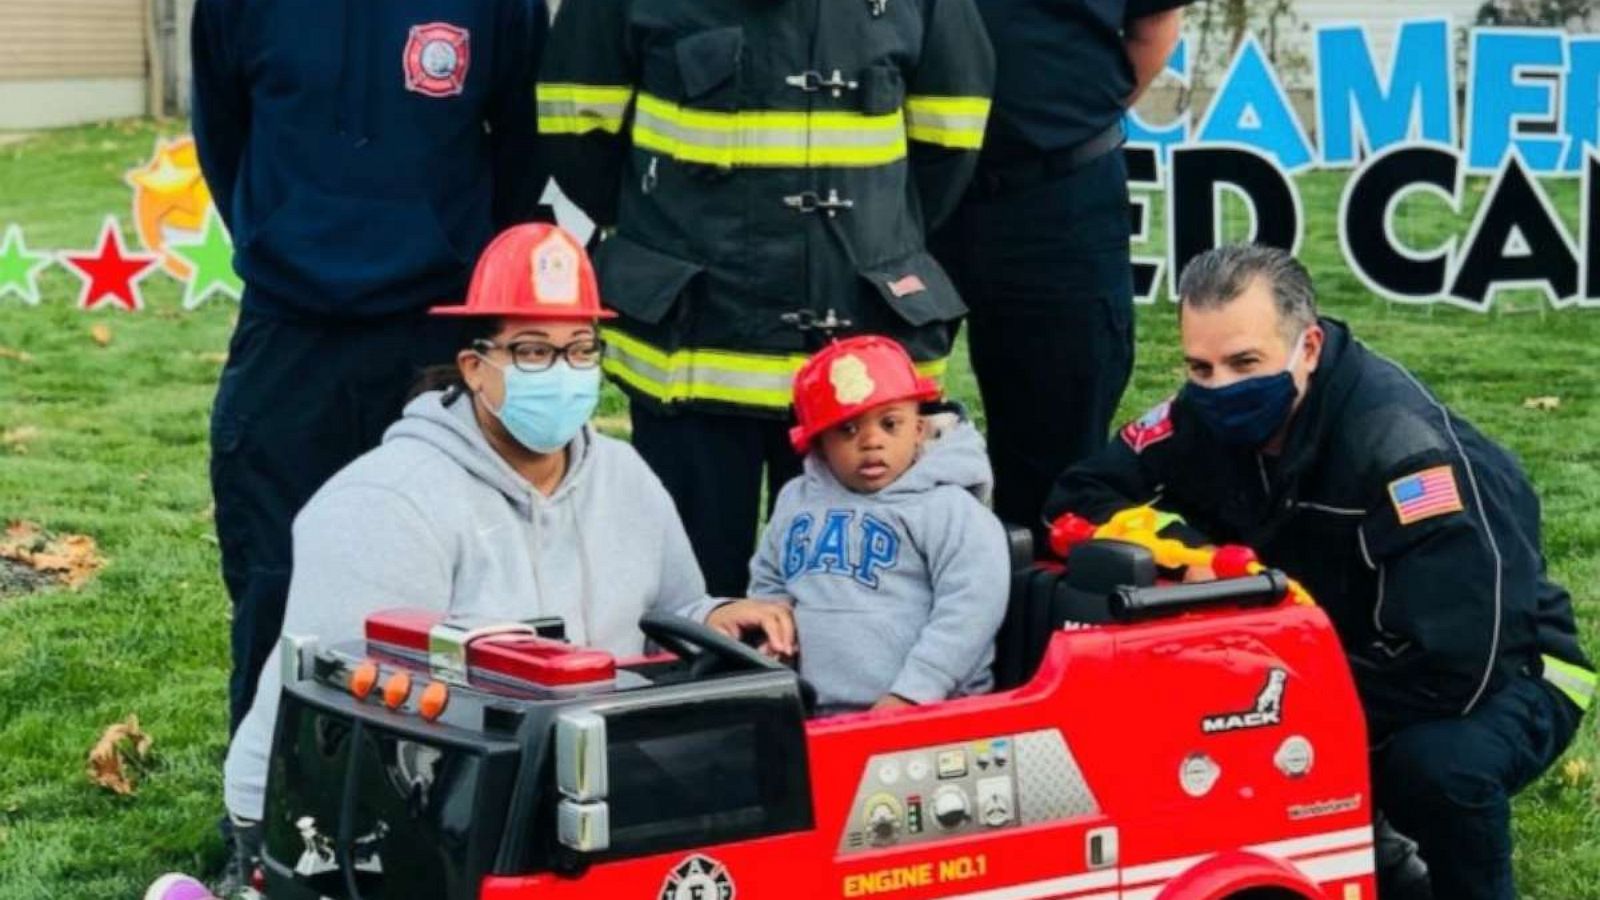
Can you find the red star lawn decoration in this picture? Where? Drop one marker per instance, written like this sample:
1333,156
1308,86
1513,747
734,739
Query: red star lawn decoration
110,273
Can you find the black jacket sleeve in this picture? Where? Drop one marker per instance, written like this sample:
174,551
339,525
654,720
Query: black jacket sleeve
519,172
585,96
947,106
1442,591
220,105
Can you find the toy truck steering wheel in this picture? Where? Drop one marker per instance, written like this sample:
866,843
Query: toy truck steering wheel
709,651
706,650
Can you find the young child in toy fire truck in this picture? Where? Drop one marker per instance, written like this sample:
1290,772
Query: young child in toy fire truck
897,571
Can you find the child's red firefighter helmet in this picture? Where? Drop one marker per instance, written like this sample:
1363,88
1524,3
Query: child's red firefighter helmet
849,377
533,271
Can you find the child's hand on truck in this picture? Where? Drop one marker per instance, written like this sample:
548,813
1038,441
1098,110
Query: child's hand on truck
771,617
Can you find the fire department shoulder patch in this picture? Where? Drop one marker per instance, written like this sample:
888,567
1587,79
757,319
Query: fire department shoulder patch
437,57
1149,429
698,878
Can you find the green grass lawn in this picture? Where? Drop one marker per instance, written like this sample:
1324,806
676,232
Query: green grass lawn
120,453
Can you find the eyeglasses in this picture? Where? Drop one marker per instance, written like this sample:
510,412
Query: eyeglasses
537,356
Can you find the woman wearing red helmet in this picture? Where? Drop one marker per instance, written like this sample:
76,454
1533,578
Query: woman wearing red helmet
493,497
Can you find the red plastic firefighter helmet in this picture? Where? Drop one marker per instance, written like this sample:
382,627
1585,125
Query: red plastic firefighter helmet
849,377
533,271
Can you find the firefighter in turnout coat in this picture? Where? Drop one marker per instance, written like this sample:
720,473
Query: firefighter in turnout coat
770,171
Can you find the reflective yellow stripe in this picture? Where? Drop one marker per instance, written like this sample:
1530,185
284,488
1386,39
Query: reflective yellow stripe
1576,682
581,108
746,379
793,139
947,121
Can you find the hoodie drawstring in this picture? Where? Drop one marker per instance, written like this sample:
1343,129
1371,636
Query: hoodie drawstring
585,581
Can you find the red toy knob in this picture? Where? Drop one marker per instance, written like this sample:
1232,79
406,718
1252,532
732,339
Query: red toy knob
1068,531
1233,561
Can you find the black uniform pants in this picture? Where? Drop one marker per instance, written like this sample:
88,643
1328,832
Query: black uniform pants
298,400
1448,783
1044,268
714,466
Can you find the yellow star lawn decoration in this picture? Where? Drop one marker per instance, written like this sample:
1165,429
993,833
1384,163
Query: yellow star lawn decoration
169,195
19,269
211,262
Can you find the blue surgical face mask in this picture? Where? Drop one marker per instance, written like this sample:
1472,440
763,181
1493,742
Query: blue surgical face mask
1250,411
545,410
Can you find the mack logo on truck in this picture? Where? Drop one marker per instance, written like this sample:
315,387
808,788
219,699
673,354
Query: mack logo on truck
1267,712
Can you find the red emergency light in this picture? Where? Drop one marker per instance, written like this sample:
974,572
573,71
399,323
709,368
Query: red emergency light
458,650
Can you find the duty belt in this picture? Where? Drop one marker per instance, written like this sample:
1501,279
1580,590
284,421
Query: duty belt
998,177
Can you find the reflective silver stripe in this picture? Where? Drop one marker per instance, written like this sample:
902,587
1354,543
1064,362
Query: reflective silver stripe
602,111
1331,510
693,380
767,137
581,108
950,121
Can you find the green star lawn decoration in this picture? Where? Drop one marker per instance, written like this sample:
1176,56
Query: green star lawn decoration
19,269
211,259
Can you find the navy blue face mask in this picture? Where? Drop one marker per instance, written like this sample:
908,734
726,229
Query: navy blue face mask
1250,411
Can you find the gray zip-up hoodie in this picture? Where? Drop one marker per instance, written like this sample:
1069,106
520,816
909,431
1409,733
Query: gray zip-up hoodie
898,592
434,518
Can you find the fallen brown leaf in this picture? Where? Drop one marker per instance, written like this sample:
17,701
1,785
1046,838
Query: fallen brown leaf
1543,404
1574,772
71,558
17,439
101,334
115,759
18,355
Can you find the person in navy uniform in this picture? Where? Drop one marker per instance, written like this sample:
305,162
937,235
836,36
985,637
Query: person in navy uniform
1039,247
361,154
1417,534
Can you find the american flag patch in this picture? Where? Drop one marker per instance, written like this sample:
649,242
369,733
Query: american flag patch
1431,492
910,284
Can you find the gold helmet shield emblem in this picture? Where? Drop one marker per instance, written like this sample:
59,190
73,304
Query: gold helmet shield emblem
851,382
555,271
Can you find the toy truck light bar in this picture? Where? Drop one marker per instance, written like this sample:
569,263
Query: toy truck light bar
463,651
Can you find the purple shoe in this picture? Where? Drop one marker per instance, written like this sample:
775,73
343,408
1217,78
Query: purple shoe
176,886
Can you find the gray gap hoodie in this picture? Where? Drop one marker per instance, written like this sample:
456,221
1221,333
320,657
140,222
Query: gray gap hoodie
434,518
900,591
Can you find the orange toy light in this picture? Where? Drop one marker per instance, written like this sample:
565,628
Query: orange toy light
396,690
363,678
433,700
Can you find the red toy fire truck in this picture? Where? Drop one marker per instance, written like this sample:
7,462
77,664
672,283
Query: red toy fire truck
1149,740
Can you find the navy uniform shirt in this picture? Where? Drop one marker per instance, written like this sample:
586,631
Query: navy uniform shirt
363,153
1063,75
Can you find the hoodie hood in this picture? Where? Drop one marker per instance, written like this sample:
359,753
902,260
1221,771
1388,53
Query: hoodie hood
453,430
953,454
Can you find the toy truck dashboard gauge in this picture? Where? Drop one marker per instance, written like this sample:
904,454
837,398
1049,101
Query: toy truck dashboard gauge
950,807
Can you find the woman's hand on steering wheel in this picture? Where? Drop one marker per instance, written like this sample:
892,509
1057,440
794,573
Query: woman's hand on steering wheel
772,617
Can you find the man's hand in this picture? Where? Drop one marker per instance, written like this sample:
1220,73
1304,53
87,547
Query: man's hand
771,617
891,701
1191,574
1149,41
